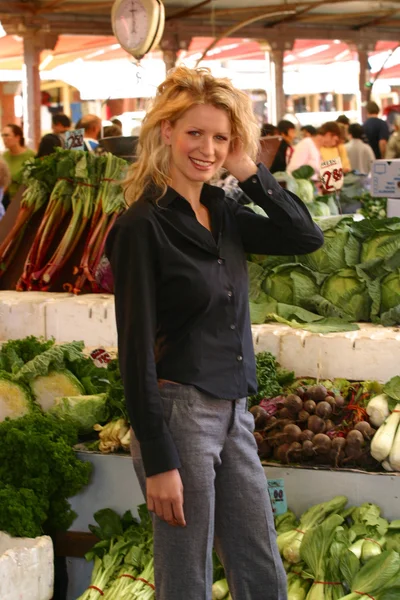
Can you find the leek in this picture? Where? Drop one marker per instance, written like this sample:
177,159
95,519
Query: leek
383,439
378,410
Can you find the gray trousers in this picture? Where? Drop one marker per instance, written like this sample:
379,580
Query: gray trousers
226,503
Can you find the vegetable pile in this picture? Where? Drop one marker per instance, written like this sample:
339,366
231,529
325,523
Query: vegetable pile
39,471
300,183
355,276
317,424
123,558
82,196
333,552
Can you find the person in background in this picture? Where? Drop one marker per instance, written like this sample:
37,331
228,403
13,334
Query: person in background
376,130
393,147
268,130
332,144
92,126
178,258
287,130
15,155
307,152
112,131
308,131
60,124
345,122
360,154
5,179
117,122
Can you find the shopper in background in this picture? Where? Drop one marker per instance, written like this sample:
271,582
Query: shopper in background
333,144
15,156
287,130
345,122
112,131
5,179
308,131
307,152
360,154
393,147
50,141
178,257
269,130
376,130
92,126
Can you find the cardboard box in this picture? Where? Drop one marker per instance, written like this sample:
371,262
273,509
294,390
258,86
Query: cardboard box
385,178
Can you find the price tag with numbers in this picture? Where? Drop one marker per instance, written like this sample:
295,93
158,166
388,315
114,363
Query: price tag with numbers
74,139
276,489
331,175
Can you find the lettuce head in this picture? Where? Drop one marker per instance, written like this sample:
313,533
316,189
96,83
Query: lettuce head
348,293
390,291
291,284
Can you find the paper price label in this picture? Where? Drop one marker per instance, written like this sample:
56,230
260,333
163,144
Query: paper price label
276,489
74,139
331,174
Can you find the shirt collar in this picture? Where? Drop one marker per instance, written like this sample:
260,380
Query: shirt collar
209,193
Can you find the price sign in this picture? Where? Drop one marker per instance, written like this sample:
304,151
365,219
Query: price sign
74,139
276,489
331,175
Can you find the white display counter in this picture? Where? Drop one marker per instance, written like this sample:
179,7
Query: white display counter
373,352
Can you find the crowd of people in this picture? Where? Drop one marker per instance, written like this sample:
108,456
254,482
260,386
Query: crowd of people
356,145
16,153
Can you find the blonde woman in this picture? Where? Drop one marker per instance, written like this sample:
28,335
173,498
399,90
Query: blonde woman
184,336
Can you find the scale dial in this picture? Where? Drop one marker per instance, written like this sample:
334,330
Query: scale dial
138,24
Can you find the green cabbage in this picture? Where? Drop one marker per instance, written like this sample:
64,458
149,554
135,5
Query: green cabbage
319,209
82,411
390,291
380,245
290,182
305,190
348,293
331,257
46,388
15,399
291,284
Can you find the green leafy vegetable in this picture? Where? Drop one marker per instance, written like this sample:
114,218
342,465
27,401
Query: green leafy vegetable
83,411
36,454
15,398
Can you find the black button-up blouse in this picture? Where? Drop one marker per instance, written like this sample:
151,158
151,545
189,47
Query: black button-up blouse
181,296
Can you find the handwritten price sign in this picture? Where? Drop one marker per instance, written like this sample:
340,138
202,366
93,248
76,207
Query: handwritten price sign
74,139
331,175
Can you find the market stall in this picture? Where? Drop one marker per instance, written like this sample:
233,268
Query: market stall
307,327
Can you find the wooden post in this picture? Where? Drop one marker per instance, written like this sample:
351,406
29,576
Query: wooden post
34,42
31,90
362,78
170,46
277,56
362,47
66,99
276,95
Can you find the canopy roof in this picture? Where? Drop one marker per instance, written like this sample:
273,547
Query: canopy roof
359,19
98,48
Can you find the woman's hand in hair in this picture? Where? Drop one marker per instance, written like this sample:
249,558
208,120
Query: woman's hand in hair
239,163
165,497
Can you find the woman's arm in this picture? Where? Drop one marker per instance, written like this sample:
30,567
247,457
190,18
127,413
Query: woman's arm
131,250
289,228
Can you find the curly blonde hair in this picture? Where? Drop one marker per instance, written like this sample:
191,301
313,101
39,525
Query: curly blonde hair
182,89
